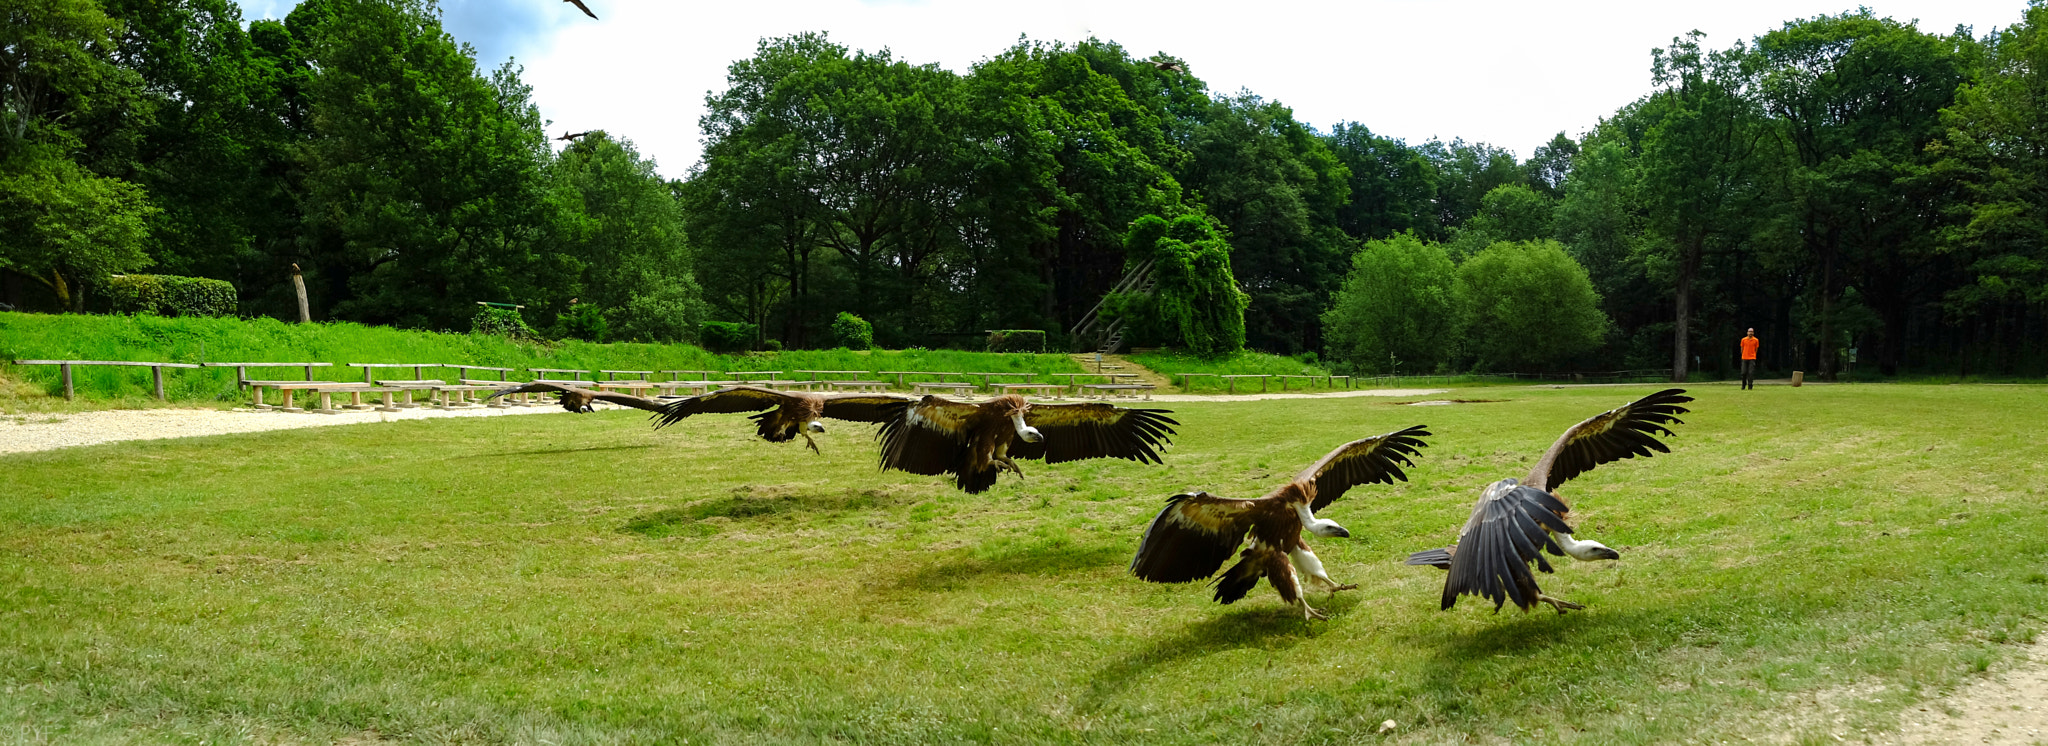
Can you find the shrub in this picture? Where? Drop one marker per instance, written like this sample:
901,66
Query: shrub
853,332
501,322
1016,340
171,295
728,337
1397,309
584,321
1528,306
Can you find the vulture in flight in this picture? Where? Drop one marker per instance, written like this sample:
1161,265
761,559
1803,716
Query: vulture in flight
571,136
578,400
784,415
1172,66
580,6
1197,531
1516,522
974,442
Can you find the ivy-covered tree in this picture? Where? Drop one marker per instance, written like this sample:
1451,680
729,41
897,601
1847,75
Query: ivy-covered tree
1195,304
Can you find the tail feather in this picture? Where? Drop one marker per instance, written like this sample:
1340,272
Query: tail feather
1437,558
1239,580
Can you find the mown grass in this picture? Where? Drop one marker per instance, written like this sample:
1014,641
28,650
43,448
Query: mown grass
1172,364
1804,565
190,340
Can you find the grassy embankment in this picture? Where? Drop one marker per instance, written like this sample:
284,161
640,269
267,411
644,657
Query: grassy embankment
1173,364
1805,566
189,340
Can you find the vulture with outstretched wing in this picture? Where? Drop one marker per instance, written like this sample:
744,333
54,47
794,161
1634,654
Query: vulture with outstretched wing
580,6
1516,522
974,442
1172,66
572,136
578,400
1197,531
784,415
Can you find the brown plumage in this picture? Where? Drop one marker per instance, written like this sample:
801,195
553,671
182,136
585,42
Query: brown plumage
579,400
573,136
784,415
580,6
1197,531
1514,523
974,442
1171,66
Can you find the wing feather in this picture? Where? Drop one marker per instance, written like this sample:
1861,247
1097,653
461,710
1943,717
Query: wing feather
1374,460
1082,431
863,407
531,387
1627,431
926,436
1192,537
723,401
1509,529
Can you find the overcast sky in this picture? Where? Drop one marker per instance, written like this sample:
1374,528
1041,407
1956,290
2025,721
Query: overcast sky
1509,73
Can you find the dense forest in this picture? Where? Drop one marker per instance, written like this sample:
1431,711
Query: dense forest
1848,185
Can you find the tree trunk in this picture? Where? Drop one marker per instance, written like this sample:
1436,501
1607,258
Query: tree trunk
1681,326
63,290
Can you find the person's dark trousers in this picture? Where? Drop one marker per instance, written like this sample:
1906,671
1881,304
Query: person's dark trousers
1749,374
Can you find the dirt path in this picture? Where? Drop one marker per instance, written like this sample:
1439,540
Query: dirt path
2009,708
21,433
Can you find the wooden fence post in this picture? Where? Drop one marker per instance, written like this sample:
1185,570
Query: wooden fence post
67,381
305,309
156,372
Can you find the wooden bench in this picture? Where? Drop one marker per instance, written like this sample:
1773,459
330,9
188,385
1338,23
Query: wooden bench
156,371
1232,380
851,374
785,385
989,378
743,375
858,385
409,385
696,375
451,396
939,387
1118,390
613,375
369,369
541,374
242,369
356,397
1056,390
636,388
462,373
899,374
285,390
668,388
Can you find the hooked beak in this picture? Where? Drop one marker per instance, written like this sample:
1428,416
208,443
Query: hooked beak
1606,554
816,426
1028,433
1338,532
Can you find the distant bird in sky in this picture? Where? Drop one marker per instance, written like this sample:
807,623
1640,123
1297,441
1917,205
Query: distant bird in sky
1172,66
1516,522
578,400
784,415
574,135
975,442
580,6
1197,531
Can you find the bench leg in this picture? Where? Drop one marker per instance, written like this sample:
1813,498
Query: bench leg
256,397
327,403
388,406
288,402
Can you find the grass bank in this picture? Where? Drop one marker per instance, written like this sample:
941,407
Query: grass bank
1172,364
1804,567
192,340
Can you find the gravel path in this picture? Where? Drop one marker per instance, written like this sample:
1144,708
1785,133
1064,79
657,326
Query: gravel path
43,432
2003,708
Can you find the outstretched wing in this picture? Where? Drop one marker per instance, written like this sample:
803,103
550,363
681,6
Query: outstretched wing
723,401
1077,431
628,400
1374,460
1192,537
925,436
534,387
1627,431
1508,530
863,407
580,6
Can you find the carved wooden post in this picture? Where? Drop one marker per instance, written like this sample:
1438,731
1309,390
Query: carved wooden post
305,310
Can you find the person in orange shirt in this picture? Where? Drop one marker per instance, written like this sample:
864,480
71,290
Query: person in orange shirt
1749,345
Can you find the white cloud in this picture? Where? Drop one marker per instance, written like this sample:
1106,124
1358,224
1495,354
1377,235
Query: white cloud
1507,73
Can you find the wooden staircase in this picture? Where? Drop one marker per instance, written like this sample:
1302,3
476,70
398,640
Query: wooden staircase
1107,338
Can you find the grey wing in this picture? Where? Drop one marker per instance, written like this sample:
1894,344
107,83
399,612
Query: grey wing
1192,537
629,400
1626,431
1374,460
1509,529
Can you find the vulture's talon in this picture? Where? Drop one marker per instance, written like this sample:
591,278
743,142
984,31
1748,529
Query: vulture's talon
1344,587
1560,604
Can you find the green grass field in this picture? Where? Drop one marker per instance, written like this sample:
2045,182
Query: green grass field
1807,564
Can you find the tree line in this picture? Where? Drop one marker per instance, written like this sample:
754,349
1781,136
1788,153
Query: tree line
1841,183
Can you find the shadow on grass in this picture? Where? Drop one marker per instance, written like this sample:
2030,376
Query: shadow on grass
1260,621
753,502
991,562
559,451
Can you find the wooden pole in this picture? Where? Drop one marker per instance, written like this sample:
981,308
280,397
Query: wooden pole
157,372
67,381
305,309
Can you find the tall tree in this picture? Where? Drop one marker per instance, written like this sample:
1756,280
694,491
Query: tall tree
1398,308
621,244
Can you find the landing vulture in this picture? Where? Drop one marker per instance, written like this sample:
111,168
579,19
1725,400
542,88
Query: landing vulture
1197,531
784,414
974,442
1515,522
578,400
580,6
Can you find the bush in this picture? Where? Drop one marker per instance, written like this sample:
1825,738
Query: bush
727,337
1527,307
1397,309
171,295
1016,340
584,321
501,322
853,332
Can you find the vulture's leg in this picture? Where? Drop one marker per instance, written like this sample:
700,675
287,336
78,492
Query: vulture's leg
1280,572
1005,462
1306,563
1558,603
812,443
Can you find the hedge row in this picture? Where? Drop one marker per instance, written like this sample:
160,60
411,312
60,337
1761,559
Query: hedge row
171,295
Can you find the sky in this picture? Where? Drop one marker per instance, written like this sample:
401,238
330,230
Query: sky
1508,73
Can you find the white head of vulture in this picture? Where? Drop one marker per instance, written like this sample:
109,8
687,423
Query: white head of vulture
1515,522
975,442
1197,531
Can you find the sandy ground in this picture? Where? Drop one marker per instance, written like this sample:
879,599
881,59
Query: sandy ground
2005,708
2008,708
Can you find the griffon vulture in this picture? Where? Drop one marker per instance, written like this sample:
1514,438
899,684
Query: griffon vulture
580,6
572,136
1197,531
788,413
1515,522
974,442
578,400
1172,66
